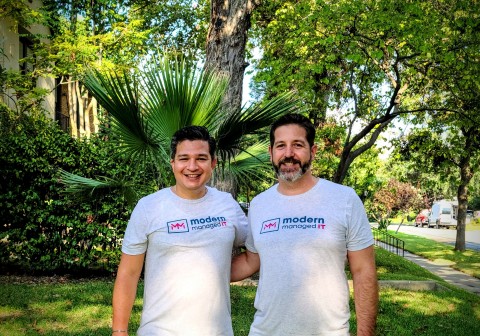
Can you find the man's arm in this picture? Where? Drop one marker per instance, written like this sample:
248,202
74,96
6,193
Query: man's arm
365,289
244,265
125,290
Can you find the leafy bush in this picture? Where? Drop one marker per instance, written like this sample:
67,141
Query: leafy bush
42,228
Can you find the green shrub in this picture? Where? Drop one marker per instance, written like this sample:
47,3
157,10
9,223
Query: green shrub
42,228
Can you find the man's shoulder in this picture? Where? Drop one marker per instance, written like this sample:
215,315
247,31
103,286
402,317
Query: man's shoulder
265,194
219,195
154,197
330,185
335,191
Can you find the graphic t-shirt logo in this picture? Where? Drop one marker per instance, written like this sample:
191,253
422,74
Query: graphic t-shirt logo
178,226
270,225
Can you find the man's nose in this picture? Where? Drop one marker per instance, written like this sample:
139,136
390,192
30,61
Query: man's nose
289,151
192,164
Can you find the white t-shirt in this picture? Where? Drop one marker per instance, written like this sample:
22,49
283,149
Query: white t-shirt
302,242
188,245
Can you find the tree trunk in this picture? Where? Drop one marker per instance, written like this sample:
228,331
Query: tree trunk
466,175
81,110
226,41
96,122
72,108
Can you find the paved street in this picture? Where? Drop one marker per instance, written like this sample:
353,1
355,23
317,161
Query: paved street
448,236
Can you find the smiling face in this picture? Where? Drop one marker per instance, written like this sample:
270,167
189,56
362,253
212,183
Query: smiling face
291,153
192,167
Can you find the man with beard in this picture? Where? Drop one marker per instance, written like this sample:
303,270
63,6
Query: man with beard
302,232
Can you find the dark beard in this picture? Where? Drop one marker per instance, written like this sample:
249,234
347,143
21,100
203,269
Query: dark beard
291,176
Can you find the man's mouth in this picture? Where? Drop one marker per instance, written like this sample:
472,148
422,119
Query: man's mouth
289,162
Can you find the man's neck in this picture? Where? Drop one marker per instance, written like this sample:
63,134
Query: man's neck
300,186
189,194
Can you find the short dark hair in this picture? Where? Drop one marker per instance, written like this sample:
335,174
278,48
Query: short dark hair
296,119
192,133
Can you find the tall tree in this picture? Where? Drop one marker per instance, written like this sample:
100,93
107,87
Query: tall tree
457,78
175,26
226,42
85,35
367,61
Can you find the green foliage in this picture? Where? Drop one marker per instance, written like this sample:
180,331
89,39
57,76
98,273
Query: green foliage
392,199
19,12
329,139
421,158
474,203
367,66
176,26
383,223
20,90
42,228
149,106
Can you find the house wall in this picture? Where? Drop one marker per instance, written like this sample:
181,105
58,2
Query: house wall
10,44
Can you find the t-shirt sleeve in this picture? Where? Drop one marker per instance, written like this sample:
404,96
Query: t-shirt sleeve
359,232
135,239
241,226
249,244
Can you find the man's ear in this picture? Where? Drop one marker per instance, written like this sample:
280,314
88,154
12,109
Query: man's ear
314,150
214,162
270,152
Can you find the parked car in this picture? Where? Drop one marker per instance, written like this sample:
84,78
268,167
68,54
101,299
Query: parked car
422,218
444,214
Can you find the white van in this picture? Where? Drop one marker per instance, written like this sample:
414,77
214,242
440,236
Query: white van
443,214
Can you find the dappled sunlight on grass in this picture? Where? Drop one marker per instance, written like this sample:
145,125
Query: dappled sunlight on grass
382,270
84,309
393,267
61,314
7,313
415,301
427,313
57,309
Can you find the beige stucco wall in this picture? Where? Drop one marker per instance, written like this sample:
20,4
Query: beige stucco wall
10,44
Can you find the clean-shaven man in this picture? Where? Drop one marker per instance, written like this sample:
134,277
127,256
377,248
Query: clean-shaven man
185,235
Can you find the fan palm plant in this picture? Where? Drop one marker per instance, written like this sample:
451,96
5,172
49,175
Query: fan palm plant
147,107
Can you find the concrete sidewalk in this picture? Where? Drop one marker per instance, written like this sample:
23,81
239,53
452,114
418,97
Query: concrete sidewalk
447,273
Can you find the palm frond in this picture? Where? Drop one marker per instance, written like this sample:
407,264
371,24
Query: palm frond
250,163
119,96
76,184
250,120
176,94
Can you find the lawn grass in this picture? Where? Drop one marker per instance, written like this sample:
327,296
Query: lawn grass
473,225
467,261
81,308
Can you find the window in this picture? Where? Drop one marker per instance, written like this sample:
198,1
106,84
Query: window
26,50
